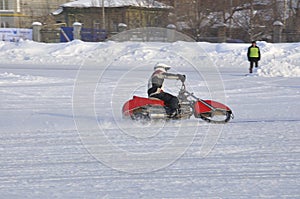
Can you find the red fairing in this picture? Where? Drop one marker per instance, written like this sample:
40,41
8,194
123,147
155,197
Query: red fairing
203,108
137,102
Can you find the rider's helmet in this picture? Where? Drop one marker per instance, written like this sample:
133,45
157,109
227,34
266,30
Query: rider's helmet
162,66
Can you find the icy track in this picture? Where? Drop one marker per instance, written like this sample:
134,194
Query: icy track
42,147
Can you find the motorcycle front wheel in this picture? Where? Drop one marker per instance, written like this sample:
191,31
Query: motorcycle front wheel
217,116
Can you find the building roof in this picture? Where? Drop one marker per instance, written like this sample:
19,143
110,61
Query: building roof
116,3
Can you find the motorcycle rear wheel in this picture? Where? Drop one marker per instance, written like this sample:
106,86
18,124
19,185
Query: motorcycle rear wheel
141,117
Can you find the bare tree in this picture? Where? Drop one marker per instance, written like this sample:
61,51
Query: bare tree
254,18
297,16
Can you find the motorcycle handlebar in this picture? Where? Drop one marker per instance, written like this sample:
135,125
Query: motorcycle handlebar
183,86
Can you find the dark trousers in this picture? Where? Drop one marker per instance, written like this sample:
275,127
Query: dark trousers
253,61
170,100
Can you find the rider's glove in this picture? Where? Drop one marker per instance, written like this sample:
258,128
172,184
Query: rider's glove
181,77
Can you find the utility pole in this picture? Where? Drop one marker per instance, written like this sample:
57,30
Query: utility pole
285,13
251,20
230,19
103,15
18,6
4,5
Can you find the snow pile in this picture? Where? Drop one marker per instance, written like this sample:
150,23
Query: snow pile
115,3
277,59
40,53
16,79
280,60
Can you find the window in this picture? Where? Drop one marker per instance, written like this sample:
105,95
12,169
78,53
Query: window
3,4
4,25
96,24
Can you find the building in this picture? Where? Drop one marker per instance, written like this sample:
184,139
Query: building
113,13
22,13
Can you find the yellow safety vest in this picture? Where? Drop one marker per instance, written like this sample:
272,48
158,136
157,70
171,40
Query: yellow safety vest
254,52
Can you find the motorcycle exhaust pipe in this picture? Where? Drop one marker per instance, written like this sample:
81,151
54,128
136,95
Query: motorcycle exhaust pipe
158,115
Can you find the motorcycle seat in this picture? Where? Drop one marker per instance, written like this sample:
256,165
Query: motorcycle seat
153,98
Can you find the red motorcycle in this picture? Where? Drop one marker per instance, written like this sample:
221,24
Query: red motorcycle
146,109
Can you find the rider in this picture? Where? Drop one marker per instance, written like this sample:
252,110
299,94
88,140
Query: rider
155,87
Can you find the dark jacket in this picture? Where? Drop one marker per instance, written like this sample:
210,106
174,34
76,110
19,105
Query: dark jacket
253,53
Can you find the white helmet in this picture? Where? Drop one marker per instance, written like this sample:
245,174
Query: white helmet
162,66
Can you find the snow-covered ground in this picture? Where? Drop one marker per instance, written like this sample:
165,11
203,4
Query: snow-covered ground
62,134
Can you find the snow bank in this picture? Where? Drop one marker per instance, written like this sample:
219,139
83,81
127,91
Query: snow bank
277,59
115,3
29,52
16,79
280,60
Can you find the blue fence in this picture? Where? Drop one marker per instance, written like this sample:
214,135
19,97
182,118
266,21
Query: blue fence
87,34
66,34
94,35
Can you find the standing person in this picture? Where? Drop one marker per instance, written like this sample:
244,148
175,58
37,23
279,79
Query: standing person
155,87
253,55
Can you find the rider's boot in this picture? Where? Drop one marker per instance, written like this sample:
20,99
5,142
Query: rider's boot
174,113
